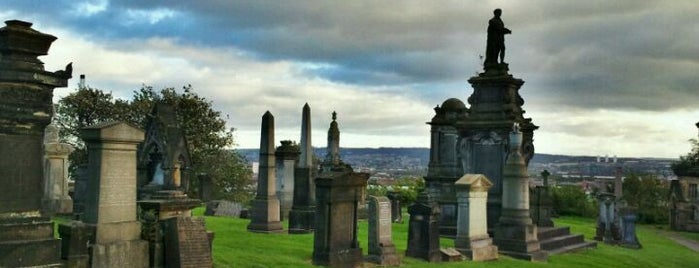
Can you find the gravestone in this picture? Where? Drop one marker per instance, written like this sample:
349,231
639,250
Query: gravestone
56,198
75,238
286,156
223,208
265,206
472,237
396,211
302,214
186,243
205,187
381,248
110,203
608,229
542,204
515,234
26,89
423,229
628,219
338,193
79,191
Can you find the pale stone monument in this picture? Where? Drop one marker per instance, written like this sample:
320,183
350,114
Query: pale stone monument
338,193
265,206
302,214
515,234
423,229
110,204
472,237
286,156
26,234
381,248
56,198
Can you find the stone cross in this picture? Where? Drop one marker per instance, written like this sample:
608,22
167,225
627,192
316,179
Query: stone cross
381,248
472,237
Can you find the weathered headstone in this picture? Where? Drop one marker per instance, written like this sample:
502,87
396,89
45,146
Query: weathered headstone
608,229
79,191
472,237
515,234
265,206
286,156
396,210
541,203
628,219
26,89
423,229
110,204
75,238
187,243
205,187
338,193
381,248
223,208
56,198
302,214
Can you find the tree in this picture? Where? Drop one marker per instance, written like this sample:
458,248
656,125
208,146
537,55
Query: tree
208,139
688,162
649,195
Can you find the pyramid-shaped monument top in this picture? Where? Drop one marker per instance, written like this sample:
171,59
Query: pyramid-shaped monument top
112,131
474,182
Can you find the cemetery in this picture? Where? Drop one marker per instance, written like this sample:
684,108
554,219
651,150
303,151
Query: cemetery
139,201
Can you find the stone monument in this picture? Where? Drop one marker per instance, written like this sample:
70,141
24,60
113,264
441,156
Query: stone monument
515,234
26,89
472,238
628,223
56,198
265,206
381,248
206,187
110,204
396,210
423,229
542,203
338,193
286,156
302,214
607,227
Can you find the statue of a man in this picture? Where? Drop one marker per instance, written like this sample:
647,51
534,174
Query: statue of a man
496,39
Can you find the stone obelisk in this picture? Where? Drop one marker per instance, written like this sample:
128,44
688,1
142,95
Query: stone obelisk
265,207
515,234
302,214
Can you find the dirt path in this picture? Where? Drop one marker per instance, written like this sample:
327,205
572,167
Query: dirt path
689,243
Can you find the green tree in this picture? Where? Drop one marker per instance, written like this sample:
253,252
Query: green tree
688,161
572,200
208,139
649,195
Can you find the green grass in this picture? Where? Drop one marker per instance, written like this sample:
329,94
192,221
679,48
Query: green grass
234,246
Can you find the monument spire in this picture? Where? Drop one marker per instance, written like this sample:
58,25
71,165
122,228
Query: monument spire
265,207
333,155
306,159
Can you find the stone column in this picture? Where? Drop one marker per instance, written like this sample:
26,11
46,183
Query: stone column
286,156
515,234
110,204
472,238
26,89
423,229
381,248
302,214
56,198
265,207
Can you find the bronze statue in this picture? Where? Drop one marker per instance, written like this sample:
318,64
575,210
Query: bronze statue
496,40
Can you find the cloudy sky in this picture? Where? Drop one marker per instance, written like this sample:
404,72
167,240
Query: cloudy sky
601,77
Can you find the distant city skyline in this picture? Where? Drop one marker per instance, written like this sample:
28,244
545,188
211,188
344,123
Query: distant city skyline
601,78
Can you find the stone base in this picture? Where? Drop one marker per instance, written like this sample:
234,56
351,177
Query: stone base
430,256
477,250
451,255
28,242
519,241
119,254
266,227
265,214
302,220
387,257
345,258
58,206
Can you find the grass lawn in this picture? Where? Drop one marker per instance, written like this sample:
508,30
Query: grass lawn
234,246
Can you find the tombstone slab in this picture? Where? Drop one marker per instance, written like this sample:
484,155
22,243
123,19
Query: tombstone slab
423,229
381,248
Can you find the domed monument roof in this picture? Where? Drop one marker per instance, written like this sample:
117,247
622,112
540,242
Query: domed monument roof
453,104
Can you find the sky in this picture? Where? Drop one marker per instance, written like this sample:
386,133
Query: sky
601,77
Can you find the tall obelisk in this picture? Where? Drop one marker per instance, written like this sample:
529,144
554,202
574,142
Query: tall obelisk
302,214
265,207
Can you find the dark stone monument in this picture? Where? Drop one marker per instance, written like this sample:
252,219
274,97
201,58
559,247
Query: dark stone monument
75,238
396,210
381,248
26,89
265,206
338,193
423,229
287,155
302,214
205,187
607,222
515,234
541,203
79,191
496,43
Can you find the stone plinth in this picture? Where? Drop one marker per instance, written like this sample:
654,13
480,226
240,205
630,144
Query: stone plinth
286,156
265,206
303,211
338,193
187,243
423,229
26,89
515,234
381,248
110,202
472,237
